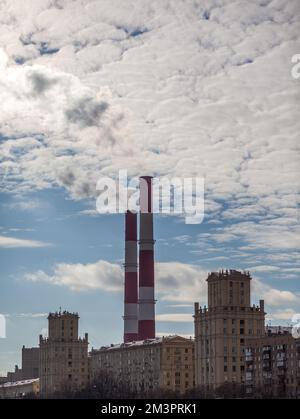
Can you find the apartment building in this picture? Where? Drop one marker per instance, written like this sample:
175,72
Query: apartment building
223,328
63,356
273,365
145,366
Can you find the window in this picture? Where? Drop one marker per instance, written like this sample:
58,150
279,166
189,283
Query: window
233,368
225,368
233,359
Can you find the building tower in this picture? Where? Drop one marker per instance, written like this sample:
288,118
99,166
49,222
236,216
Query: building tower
146,262
224,328
30,363
63,356
131,279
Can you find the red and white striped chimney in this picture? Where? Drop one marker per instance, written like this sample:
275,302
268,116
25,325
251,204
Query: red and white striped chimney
131,279
146,262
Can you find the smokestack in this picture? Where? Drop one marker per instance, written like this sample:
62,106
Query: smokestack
131,280
146,262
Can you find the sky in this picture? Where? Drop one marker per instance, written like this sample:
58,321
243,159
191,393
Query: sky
170,88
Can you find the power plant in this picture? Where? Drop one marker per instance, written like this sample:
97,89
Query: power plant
139,302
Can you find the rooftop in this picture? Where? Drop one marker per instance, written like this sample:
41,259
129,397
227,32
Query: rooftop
20,383
145,342
231,273
64,313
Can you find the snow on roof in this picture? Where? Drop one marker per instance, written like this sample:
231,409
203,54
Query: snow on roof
138,343
20,383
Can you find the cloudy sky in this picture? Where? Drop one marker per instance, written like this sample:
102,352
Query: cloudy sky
163,87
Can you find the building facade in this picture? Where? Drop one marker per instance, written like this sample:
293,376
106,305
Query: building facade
273,366
63,356
19,389
222,329
30,363
16,375
145,366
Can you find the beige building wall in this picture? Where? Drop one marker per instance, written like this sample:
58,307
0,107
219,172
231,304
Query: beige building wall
19,389
222,329
63,356
273,365
162,363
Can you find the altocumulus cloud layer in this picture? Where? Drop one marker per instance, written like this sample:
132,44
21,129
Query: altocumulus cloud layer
169,87
193,88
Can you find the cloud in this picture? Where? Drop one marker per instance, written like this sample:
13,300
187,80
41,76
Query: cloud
87,88
89,212
27,315
175,76
12,242
86,112
28,205
286,315
175,282
78,277
175,317
33,315
265,234
263,268
40,83
180,282
273,296
53,130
